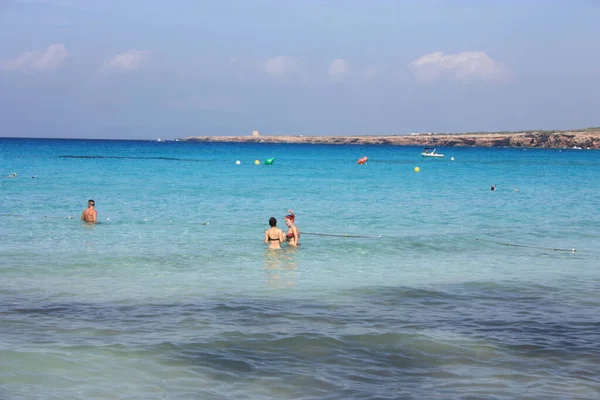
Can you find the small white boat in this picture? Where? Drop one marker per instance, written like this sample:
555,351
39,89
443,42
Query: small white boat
432,153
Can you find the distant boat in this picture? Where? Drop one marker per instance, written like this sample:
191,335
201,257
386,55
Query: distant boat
159,140
432,153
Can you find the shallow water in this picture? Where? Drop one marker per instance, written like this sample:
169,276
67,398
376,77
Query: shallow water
173,294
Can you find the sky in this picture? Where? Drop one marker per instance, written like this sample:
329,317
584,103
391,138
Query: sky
143,69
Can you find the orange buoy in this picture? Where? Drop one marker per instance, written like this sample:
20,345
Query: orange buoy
363,160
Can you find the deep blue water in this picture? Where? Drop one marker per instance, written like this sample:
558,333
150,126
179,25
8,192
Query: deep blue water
452,290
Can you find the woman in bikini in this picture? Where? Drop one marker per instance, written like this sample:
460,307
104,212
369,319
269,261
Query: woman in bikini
274,235
293,234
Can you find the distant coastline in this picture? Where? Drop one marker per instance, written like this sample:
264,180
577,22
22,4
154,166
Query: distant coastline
584,138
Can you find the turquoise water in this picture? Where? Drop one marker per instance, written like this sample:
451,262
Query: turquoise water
173,295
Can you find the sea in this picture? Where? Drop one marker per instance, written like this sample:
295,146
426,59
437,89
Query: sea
407,283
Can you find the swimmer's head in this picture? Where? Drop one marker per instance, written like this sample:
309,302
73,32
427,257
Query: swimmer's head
290,218
91,202
272,222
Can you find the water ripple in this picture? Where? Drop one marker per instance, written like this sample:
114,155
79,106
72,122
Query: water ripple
474,340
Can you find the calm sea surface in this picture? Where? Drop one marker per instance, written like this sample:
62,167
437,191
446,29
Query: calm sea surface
450,291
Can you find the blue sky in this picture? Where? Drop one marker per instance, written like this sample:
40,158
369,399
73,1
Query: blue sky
147,69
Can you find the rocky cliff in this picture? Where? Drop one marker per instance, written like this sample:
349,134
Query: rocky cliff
544,139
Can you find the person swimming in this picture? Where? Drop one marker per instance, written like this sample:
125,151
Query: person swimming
293,234
273,235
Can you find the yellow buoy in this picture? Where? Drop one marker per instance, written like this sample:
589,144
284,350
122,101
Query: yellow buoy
417,169
256,162
452,159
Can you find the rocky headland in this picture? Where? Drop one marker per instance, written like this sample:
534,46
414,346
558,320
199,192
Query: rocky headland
585,139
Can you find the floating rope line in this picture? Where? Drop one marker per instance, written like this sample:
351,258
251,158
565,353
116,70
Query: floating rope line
338,235
344,235
527,246
31,216
77,218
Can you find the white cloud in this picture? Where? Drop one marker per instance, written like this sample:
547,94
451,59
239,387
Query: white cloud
52,57
338,68
127,61
465,67
280,66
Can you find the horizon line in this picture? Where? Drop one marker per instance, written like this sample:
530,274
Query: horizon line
587,129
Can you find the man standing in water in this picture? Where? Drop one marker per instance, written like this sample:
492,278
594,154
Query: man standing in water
90,214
